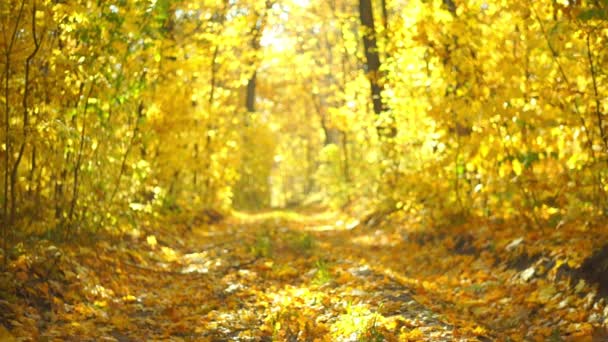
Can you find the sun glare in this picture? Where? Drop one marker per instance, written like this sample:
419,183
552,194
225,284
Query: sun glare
275,40
302,3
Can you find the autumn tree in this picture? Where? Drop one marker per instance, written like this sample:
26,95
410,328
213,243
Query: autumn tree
140,108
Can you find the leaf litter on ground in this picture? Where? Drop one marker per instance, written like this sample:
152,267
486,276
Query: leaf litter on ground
276,276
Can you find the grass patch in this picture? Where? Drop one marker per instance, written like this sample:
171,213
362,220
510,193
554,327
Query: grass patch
302,242
323,275
262,247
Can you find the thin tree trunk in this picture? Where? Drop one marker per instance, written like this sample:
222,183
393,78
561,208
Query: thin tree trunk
195,172
26,93
371,53
250,101
385,17
598,107
208,140
60,214
345,158
79,158
123,164
213,75
257,30
7,141
32,173
373,64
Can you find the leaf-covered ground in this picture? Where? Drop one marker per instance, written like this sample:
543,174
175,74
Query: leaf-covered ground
288,276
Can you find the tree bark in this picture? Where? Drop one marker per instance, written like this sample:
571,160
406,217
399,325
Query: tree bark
257,30
78,165
26,94
373,64
385,16
371,54
250,101
7,189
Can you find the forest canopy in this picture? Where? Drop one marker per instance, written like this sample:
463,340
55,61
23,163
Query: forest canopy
480,108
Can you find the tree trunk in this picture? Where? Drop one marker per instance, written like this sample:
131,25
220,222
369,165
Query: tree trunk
78,164
256,31
7,55
371,53
385,16
373,64
250,102
26,94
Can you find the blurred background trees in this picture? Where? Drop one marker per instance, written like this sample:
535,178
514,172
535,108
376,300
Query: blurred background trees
116,109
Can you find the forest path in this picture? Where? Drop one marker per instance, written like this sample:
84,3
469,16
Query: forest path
282,276
296,276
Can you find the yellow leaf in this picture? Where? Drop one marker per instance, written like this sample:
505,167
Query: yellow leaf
411,335
151,239
169,254
100,303
517,167
479,330
129,298
504,169
484,150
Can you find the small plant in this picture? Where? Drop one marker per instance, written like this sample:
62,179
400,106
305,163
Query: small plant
359,323
262,246
303,242
555,336
373,334
323,276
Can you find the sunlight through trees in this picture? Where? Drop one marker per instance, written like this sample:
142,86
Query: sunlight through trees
472,108
120,112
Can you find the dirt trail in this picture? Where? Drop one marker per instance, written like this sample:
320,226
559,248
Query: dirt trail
289,276
279,276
